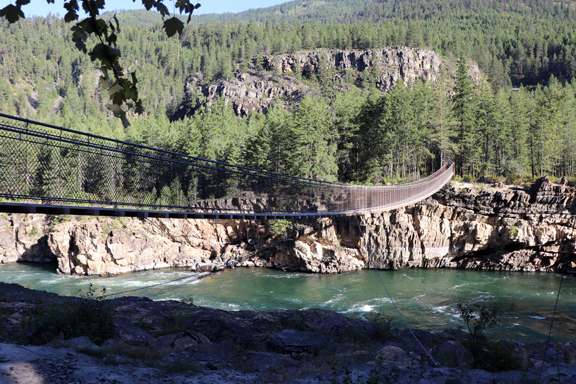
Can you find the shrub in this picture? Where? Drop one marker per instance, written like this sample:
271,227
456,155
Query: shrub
486,354
188,300
493,179
514,179
382,324
280,227
88,316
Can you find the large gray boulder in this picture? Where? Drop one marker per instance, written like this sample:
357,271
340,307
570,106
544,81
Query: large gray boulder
291,340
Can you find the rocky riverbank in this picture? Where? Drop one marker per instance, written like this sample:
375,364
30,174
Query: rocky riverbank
473,226
45,338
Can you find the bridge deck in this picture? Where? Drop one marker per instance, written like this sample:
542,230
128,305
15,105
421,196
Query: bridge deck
55,170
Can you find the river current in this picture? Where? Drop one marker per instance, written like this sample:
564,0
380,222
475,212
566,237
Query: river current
426,298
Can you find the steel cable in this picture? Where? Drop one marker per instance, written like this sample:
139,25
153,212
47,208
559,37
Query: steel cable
391,300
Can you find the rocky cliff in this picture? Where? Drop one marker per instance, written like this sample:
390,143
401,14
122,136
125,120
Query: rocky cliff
464,227
279,81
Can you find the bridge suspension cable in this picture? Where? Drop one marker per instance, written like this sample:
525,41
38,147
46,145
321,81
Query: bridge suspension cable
50,169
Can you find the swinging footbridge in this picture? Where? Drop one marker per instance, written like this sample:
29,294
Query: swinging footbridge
54,170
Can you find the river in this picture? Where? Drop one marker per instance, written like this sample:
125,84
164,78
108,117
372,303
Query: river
426,298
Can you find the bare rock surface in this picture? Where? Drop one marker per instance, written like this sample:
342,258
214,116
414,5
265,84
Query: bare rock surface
469,227
279,81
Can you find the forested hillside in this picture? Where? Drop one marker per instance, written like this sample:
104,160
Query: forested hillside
519,120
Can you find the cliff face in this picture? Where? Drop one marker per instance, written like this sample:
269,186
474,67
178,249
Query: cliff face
509,230
255,91
389,64
490,229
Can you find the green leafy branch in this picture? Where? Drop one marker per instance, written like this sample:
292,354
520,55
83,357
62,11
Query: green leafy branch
123,90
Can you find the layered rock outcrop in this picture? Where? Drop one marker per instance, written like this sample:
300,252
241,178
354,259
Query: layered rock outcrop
388,64
510,229
251,91
256,90
490,229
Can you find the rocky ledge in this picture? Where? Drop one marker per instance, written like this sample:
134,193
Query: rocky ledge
280,77
138,339
473,226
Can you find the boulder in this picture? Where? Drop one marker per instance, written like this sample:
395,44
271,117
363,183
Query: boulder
132,335
391,355
291,340
180,341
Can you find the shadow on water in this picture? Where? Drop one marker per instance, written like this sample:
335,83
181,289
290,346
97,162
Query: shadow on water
427,298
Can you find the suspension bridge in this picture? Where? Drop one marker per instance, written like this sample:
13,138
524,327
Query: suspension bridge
54,170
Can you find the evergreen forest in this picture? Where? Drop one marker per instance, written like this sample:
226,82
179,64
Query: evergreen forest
517,122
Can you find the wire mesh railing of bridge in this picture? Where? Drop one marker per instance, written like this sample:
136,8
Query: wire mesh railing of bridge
54,165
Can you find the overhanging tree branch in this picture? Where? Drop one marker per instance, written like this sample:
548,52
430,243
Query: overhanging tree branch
124,89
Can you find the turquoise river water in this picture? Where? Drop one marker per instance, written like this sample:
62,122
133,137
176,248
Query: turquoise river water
426,298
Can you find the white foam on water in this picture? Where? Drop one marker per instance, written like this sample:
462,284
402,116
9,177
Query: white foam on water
183,281
362,309
125,285
288,276
336,298
233,306
459,285
537,317
441,309
446,310
169,299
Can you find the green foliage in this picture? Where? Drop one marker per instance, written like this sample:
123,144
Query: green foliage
280,227
312,141
355,135
106,50
494,179
188,300
89,316
59,220
382,325
486,354
514,179
513,230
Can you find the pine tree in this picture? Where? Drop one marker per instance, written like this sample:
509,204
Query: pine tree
442,123
463,108
312,145
521,107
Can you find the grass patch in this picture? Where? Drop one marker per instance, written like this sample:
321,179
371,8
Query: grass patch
151,357
88,316
494,179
